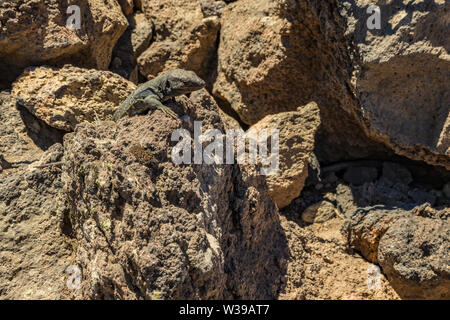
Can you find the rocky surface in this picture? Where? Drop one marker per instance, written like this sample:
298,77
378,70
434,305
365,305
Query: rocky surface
365,195
204,98
403,240
70,95
15,143
34,33
297,130
276,56
402,73
410,249
185,37
34,252
148,228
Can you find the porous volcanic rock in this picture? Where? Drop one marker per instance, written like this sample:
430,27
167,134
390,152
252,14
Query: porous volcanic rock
412,247
297,131
34,32
15,143
34,251
67,96
275,56
150,229
203,98
402,75
184,37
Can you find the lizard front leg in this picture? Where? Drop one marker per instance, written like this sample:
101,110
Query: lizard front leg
152,102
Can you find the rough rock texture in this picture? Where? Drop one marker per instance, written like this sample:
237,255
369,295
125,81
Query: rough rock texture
148,228
131,44
327,264
34,32
34,253
23,138
212,7
402,75
412,250
275,56
15,143
184,37
320,265
297,131
127,6
203,98
70,95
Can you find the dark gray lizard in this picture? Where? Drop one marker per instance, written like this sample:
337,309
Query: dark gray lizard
153,93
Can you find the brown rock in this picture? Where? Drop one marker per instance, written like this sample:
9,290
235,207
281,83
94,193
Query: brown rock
415,255
203,98
15,143
148,228
127,6
413,250
297,131
184,38
34,251
276,55
319,212
70,95
402,76
34,32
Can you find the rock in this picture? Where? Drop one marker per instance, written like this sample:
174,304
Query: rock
147,228
319,212
34,252
68,96
270,62
414,255
131,44
15,143
396,173
345,199
203,98
212,7
412,250
127,6
360,175
184,38
364,228
297,131
34,33
402,74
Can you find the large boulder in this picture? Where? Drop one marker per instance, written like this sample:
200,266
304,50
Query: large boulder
185,37
34,32
150,229
402,75
275,56
412,247
64,97
297,130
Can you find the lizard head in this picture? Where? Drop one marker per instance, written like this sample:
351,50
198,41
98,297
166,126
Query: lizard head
181,81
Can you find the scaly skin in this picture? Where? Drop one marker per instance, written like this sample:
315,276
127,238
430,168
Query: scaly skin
154,93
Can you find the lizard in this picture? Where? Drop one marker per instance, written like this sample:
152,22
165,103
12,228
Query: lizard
153,93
